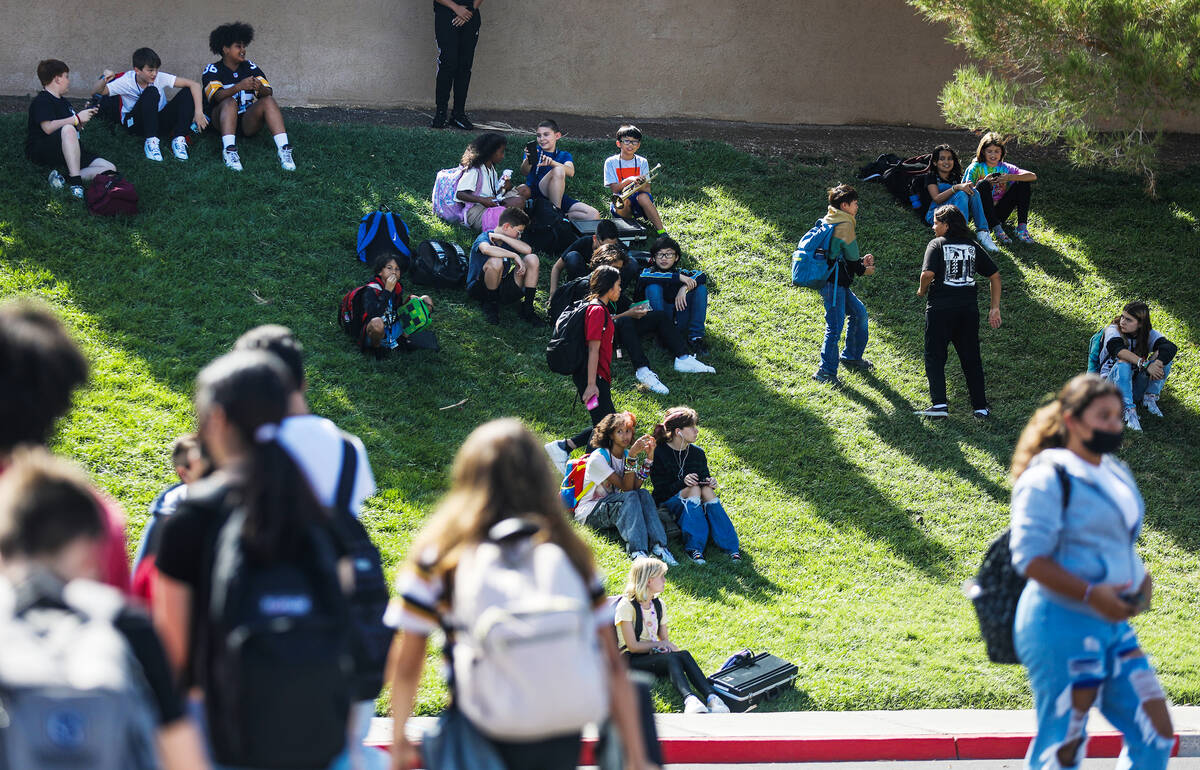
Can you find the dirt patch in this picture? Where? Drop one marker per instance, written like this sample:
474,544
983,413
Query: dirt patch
840,143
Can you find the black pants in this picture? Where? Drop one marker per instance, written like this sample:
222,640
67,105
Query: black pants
456,54
173,121
560,753
630,331
960,327
1015,197
604,404
679,666
577,265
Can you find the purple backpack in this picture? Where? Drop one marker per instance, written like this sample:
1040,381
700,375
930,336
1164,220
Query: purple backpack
445,195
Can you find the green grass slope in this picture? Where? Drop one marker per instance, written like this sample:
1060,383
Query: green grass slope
859,521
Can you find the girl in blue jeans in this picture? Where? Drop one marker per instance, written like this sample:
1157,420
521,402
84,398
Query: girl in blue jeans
945,186
681,294
683,484
1077,547
1136,358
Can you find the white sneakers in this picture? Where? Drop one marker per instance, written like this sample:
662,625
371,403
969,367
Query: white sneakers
153,152
1131,419
648,378
692,705
558,455
664,555
56,180
179,148
233,161
1151,404
985,240
693,364
285,158
716,705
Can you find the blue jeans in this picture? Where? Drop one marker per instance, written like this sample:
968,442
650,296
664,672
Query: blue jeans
699,521
971,207
839,303
1135,386
1064,650
690,320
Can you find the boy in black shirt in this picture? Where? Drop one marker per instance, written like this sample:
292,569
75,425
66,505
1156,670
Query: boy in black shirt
238,96
952,260
53,133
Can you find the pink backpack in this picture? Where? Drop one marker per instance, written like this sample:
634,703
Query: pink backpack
445,195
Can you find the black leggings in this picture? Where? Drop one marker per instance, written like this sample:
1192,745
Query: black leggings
630,331
604,405
456,54
1015,197
960,327
561,753
173,121
679,666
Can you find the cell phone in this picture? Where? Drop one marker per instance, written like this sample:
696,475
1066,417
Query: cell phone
593,402
531,149
644,302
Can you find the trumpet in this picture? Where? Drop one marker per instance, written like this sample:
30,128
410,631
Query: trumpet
621,198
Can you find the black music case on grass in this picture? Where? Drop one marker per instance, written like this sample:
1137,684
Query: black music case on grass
752,679
628,230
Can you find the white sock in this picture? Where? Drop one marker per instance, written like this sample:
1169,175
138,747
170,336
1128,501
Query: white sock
281,140
227,141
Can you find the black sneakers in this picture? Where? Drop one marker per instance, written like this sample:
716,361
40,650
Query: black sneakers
491,313
460,120
439,119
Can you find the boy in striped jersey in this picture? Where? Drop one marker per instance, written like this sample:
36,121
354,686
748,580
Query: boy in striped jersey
238,98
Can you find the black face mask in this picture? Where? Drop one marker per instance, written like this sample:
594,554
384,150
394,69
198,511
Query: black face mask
1104,442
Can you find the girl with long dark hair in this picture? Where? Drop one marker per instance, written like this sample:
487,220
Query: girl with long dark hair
945,185
1136,358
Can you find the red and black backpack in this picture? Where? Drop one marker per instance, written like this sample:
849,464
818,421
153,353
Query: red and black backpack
352,313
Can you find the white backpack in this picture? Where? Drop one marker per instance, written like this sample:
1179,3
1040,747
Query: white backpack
526,659
72,696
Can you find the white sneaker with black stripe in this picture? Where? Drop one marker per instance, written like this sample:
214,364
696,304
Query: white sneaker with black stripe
935,412
233,161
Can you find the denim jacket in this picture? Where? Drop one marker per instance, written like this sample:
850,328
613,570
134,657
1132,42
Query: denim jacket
1089,539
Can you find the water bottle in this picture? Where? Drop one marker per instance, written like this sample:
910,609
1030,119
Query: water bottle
915,201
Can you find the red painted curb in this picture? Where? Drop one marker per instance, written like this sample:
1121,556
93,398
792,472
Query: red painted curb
1010,746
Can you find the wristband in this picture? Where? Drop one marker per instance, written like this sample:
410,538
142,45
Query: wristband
76,120
1087,592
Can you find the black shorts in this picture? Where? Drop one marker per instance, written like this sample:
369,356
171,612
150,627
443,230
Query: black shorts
510,290
47,151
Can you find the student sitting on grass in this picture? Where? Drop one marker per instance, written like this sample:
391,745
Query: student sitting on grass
684,486
681,294
382,297
239,96
952,313
52,138
652,650
840,301
547,170
1003,187
145,110
103,650
503,269
617,500
576,260
484,193
1136,358
946,186
627,169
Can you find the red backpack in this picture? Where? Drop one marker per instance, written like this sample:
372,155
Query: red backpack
111,194
574,485
351,315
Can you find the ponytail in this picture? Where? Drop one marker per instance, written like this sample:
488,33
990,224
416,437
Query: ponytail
1047,429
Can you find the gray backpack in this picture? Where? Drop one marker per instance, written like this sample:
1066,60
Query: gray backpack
72,695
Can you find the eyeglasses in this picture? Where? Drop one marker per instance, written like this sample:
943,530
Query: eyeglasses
631,141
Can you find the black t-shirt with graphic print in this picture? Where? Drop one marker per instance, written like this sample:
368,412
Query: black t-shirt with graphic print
954,265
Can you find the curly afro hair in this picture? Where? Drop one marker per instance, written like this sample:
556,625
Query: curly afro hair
227,34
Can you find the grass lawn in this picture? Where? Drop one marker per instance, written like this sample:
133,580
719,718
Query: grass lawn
859,521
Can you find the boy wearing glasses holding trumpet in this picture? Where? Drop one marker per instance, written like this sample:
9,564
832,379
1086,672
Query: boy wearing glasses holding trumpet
627,175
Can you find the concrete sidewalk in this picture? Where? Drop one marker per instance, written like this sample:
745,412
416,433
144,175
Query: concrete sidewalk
829,736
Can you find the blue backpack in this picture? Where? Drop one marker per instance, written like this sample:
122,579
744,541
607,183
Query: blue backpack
383,232
811,266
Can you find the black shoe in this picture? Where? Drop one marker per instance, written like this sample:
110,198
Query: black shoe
861,364
460,120
983,414
531,317
698,347
825,378
439,119
491,313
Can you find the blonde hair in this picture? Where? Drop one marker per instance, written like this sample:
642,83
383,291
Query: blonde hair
1046,429
640,574
500,471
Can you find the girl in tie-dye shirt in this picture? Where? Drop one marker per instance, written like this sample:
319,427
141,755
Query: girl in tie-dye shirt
1004,188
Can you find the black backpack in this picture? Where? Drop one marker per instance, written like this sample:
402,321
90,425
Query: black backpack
567,350
638,620
568,294
382,232
440,263
997,588
370,639
548,233
905,179
279,653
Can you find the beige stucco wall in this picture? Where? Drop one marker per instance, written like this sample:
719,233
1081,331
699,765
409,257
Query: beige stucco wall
787,61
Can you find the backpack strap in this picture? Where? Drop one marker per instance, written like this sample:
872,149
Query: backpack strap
1064,481
397,240
368,226
345,486
638,623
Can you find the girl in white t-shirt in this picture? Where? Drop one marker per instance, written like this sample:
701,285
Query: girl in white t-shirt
650,648
616,468
480,189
